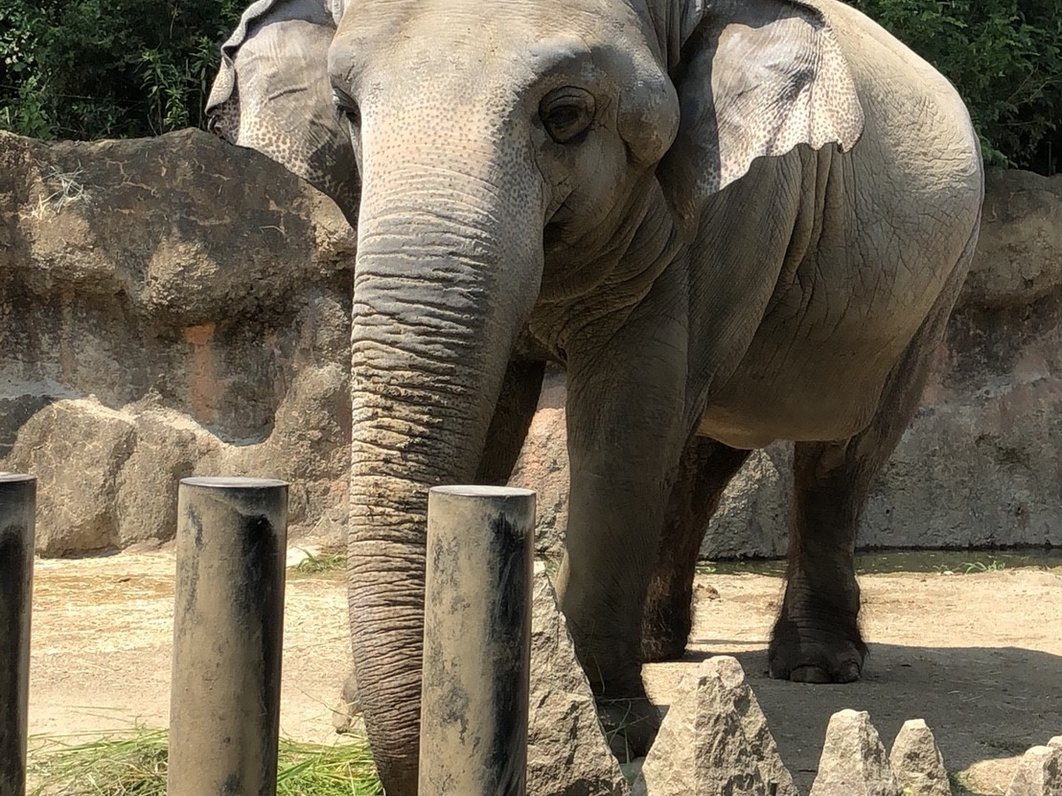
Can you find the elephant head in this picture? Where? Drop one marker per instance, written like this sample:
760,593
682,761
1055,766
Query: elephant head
524,167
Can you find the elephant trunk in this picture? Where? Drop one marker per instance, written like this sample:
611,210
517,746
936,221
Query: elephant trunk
446,275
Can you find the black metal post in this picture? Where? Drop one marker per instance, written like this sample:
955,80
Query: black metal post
18,501
227,636
477,637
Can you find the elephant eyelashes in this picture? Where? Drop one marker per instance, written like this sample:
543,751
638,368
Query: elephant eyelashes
566,114
347,106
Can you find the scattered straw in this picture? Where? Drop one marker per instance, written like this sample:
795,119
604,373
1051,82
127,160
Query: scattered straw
68,189
133,763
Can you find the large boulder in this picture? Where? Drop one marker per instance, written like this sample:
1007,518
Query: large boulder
168,306
1039,773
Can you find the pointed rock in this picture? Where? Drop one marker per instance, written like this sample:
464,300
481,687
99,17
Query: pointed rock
853,761
715,740
916,761
346,715
1039,773
567,754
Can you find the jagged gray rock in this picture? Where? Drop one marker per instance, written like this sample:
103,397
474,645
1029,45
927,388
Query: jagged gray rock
916,761
853,761
567,754
1039,773
715,740
346,715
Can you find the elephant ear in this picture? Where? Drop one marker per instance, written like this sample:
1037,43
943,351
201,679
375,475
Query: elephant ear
272,93
756,78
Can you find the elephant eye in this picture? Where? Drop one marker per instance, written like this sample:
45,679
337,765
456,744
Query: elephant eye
566,114
347,106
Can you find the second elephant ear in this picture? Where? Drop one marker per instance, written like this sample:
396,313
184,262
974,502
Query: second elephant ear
272,93
756,79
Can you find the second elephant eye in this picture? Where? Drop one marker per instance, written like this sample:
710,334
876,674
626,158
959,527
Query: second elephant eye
566,113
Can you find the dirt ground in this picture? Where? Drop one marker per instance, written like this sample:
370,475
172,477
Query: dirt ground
978,656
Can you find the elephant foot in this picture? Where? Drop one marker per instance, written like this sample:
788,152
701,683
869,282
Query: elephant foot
666,623
661,644
805,654
630,725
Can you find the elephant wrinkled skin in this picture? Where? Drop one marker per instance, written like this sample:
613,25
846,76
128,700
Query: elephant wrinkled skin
732,222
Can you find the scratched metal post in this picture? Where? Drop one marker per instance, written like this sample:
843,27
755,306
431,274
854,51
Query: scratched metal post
477,636
227,636
18,499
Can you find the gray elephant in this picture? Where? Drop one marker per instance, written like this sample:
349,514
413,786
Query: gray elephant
731,221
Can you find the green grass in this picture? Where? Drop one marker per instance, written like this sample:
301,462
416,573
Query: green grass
321,563
969,567
960,783
981,566
133,763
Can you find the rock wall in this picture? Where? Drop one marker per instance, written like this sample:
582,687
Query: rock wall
176,306
168,306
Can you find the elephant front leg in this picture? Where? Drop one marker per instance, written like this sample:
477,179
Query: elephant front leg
625,409
704,470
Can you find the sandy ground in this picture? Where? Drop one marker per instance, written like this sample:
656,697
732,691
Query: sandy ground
978,656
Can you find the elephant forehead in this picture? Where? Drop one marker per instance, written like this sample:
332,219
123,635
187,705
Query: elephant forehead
429,41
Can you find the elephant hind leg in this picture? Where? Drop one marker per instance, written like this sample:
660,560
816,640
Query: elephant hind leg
816,637
704,471
512,418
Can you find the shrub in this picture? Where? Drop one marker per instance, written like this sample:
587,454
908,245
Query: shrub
1005,58
108,68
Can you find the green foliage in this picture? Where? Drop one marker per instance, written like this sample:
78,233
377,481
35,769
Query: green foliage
104,68
321,563
108,68
1005,58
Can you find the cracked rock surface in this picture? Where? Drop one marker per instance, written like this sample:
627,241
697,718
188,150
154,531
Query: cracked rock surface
714,740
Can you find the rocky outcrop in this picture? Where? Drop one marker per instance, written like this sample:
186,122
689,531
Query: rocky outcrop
175,306
1039,773
168,306
916,761
567,753
853,761
714,740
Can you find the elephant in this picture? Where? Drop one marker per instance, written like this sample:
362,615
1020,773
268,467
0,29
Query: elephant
730,221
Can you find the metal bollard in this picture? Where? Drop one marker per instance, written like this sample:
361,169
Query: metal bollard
18,500
227,636
477,636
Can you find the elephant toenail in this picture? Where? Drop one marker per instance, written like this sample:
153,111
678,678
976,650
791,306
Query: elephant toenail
848,672
809,674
